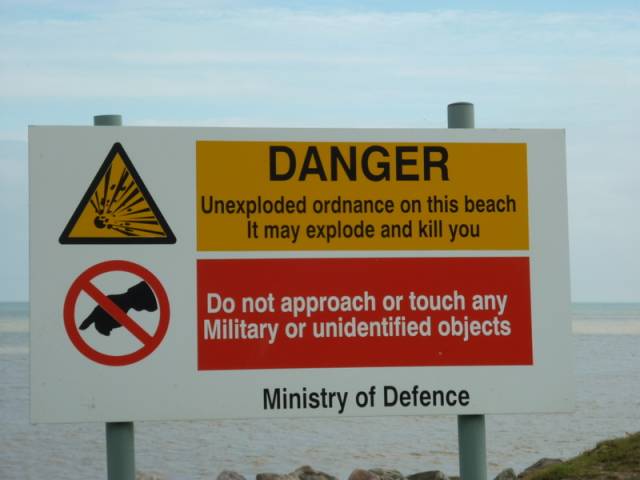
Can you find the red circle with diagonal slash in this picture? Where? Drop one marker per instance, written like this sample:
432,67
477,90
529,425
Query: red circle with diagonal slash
84,284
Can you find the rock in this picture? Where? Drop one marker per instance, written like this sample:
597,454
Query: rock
430,475
360,474
230,475
276,476
385,474
149,476
303,473
506,474
307,473
540,464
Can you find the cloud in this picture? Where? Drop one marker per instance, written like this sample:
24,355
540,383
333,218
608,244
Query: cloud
210,52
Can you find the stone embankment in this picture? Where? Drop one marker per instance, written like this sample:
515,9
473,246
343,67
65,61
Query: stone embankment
615,459
308,473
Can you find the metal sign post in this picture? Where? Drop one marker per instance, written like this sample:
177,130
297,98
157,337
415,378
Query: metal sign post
121,463
471,431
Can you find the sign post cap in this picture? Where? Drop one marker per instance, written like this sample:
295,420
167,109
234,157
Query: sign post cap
460,115
107,120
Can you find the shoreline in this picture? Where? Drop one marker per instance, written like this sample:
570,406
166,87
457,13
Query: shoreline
617,458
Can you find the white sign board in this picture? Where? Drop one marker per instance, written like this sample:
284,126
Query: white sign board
192,273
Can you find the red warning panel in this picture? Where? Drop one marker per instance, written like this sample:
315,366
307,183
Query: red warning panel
363,312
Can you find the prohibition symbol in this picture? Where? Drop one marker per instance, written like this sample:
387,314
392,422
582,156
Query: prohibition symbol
111,311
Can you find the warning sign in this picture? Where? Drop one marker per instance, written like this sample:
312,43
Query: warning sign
111,311
319,272
117,208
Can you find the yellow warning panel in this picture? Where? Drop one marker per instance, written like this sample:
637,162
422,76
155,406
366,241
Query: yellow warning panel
361,196
117,208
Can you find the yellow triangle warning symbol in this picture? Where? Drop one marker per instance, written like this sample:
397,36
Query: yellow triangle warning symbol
117,208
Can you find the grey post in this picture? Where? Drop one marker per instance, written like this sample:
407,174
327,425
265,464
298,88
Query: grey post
107,120
121,464
471,430
460,115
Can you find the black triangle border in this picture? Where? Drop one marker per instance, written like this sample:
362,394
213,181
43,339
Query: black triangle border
115,150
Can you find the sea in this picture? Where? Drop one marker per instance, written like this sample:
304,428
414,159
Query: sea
607,350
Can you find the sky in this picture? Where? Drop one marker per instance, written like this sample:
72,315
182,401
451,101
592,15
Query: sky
561,64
